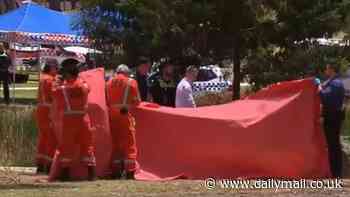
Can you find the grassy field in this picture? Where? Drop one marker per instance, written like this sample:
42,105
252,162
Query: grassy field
22,96
17,136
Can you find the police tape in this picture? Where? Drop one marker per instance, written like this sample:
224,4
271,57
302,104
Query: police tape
212,183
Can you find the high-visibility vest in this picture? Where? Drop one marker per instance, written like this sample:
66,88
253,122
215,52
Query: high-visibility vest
74,95
45,90
122,92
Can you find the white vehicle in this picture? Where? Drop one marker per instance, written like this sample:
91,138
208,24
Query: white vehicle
210,79
82,50
59,55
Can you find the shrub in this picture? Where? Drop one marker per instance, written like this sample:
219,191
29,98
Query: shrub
213,98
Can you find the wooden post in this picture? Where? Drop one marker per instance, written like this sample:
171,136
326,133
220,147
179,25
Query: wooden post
236,69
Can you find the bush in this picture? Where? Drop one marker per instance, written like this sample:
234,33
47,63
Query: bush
17,136
272,64
346,125
213,98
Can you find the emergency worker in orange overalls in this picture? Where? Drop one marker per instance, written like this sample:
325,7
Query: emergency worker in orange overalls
72,95
47,140
122,93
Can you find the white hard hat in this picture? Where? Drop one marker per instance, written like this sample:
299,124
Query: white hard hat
122,68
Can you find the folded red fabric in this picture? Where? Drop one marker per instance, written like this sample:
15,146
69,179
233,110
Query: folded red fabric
274,133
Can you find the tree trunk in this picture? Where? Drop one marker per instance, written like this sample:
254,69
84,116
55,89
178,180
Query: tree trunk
6,5
236,69
55,5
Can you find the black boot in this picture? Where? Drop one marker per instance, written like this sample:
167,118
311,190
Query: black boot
40,169
117,175
130,175
48,168
65,175
92,173
118,172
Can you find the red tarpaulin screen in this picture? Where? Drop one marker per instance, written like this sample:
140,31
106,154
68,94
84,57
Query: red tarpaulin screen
274,133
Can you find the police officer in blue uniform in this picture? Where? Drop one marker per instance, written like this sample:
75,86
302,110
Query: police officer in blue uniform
332,94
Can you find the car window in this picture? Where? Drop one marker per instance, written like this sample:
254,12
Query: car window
211,75
206,75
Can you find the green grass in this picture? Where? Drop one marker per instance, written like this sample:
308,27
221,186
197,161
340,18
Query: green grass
17,136
30,84
23,96
33,77
26,97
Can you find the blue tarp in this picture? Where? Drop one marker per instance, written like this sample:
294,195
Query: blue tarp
33,18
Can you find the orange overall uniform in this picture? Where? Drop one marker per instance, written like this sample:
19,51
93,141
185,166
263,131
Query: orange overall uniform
47,141
76,124
122,92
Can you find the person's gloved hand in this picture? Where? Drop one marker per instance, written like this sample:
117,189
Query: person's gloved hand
317,81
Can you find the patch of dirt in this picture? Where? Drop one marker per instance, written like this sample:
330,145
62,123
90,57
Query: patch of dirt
34,185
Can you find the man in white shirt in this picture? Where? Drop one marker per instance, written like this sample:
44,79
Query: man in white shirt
184,94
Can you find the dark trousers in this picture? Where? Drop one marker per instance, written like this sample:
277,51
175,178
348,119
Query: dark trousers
5,80
332,128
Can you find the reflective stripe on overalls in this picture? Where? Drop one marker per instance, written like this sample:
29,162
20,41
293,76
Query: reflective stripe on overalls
44,102
125,97
68,110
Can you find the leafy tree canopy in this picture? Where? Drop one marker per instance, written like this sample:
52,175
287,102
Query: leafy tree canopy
209,30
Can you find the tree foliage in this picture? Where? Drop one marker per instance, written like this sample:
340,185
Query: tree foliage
273,64
209,30
6,5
